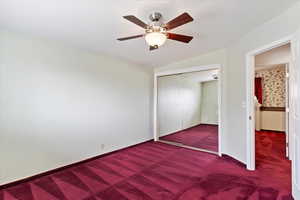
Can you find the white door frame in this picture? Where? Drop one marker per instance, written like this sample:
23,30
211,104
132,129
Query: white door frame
287,109
186,70
250,70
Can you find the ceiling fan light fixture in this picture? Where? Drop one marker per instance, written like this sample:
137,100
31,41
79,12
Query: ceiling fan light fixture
157,32
155,38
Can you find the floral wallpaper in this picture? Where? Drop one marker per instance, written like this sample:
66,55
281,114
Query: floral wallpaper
273,85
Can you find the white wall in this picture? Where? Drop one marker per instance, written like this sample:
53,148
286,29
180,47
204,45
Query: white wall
169,104
209,102
179,102
58,105
190,95
272,120
233,59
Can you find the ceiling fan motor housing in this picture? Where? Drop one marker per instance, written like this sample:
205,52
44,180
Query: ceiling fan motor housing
155,17
155,25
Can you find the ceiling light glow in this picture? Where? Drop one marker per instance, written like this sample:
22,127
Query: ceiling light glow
155,38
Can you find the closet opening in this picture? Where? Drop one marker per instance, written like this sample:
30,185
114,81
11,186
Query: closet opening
188,108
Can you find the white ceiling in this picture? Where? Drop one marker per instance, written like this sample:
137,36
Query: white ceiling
95,24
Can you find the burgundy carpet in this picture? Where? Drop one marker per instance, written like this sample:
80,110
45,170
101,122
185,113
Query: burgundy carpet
160,171
201,136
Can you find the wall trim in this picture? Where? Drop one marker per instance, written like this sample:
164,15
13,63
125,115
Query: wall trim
272,131
278,109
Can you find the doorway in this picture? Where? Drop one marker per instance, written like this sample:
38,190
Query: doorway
268,98
187,108
271,89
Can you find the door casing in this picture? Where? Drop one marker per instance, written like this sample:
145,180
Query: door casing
250,122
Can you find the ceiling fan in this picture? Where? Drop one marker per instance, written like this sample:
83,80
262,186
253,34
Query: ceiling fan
156,32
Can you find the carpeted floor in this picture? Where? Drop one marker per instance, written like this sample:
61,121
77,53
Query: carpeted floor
201,136
160,171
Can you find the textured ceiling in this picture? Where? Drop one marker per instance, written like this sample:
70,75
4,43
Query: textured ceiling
95,24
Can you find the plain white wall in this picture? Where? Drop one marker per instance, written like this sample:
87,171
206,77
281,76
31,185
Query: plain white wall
58,105
179,102
209,102
169,104
272,120
190,95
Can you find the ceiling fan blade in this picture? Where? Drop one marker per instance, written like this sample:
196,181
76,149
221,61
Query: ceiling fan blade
131,37
178,21
136,21
180,38
151,48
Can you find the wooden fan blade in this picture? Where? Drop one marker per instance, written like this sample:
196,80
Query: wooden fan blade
178,21
180,38
131,37
151,48
136,21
